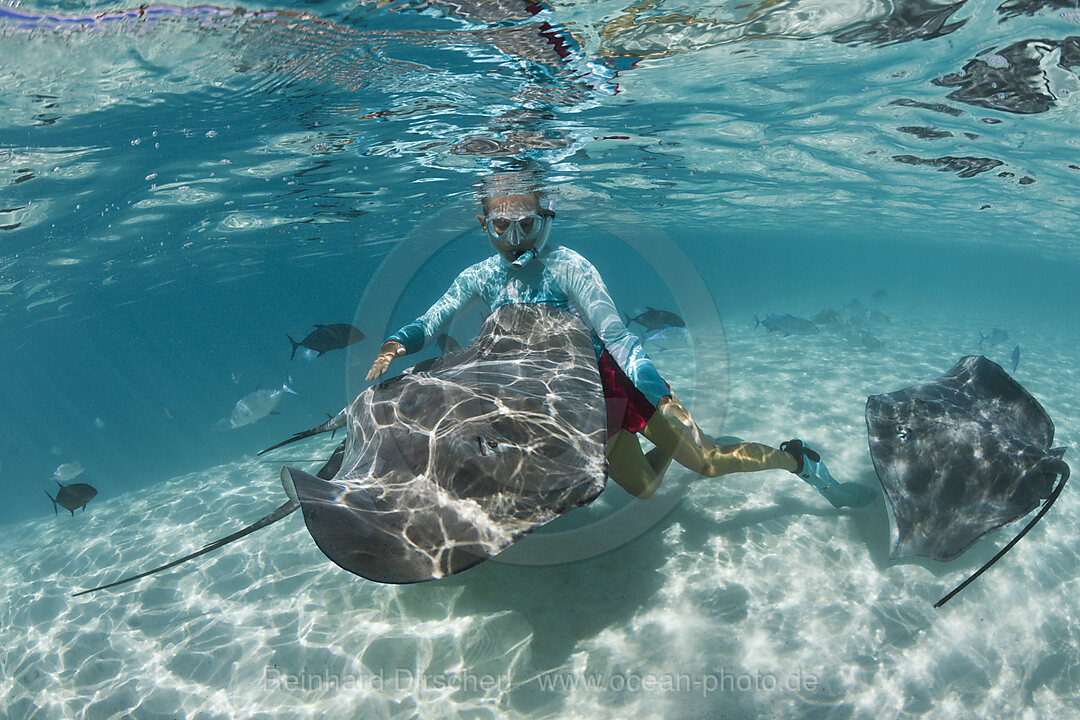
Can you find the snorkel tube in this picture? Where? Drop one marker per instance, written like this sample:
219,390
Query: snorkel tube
548,214
524,258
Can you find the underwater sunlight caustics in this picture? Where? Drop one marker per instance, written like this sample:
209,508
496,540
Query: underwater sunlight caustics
450,462
960,457
529,273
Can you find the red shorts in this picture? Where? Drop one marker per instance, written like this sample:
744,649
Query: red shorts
627,408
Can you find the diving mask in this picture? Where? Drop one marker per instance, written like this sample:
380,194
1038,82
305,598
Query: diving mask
518,228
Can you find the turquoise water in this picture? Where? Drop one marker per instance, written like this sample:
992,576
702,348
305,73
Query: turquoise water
181,187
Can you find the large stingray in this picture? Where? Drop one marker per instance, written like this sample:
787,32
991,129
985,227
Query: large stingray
960,457
458,457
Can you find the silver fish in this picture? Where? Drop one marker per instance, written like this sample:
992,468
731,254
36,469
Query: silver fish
255,406
996,337
786,324
67,471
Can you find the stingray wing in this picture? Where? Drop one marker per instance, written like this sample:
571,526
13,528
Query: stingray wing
457,458
959,457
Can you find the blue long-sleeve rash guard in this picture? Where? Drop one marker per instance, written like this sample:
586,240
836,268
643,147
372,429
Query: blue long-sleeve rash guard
559,277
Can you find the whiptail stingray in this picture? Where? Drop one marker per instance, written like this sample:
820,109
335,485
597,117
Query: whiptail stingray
458,457
960,457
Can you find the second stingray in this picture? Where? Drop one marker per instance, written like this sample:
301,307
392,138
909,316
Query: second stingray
960,457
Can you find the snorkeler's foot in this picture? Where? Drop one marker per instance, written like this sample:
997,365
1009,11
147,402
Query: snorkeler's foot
809,467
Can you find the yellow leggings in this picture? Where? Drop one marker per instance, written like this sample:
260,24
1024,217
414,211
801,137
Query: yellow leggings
678,437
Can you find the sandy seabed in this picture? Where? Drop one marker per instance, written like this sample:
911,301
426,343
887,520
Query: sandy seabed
751,597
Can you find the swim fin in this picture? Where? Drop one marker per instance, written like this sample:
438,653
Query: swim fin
811,469
849,494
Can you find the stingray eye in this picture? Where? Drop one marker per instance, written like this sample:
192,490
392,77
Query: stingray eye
902,432
492,444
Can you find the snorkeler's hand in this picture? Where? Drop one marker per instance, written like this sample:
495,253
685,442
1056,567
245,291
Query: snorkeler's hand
390,350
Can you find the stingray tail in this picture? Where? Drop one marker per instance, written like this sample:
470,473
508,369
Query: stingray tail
54,509
328,471
1052,464
284,510
335,423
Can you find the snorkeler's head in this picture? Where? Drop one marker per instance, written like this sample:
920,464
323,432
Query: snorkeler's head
517,215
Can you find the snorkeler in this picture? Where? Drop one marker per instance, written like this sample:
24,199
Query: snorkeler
528,269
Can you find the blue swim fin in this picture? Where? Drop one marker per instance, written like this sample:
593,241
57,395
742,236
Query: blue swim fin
849,494
811,469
